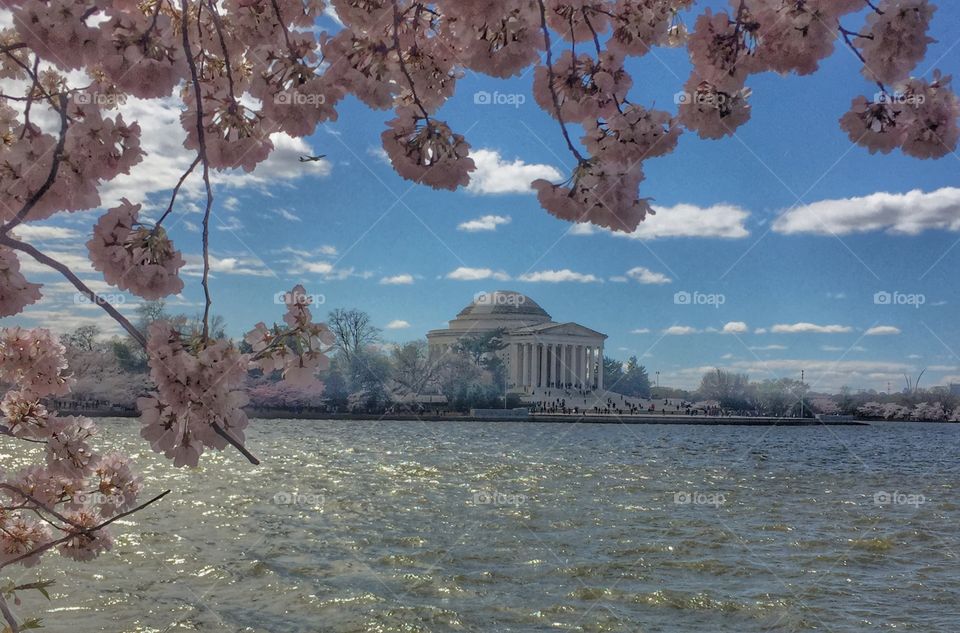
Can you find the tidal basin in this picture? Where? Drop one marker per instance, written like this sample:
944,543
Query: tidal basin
354,526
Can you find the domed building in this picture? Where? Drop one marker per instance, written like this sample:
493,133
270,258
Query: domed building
539,354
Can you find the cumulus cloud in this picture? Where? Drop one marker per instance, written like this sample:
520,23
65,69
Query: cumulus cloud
167,159
36,232
683,220
558,276
803,328
647,277
680,330
882,330
494,175
402,279
687,220
908,213
640,330
397,324
484,223
465,273
242,266
735,327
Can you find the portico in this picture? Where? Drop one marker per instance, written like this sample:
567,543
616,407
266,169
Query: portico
540,353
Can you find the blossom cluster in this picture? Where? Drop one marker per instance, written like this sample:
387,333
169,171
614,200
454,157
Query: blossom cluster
135,256
296,349
60,502
198,391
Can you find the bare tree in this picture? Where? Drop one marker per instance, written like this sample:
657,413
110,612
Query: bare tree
413,369
353,331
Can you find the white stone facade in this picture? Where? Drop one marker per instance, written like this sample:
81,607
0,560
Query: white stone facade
540,354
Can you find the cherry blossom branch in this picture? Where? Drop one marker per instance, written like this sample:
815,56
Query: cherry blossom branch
8,615
51,176
218,27
43,258
202,154
847,33
553,89
403,65
39,504
219,430
176,189
85,531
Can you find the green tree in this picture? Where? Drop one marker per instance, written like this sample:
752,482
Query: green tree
635,381
613,374
478,347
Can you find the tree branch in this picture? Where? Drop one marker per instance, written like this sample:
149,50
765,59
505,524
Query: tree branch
51,177
202,153
48,546
32,251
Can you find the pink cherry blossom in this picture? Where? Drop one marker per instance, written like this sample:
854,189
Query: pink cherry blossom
897,39
134,256
85,546
586,88
15,291
34,361
427,151
712,113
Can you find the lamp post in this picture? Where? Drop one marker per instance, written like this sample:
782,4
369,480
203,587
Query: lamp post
801,394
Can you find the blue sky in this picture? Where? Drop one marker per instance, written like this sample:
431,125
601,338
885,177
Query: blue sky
352,230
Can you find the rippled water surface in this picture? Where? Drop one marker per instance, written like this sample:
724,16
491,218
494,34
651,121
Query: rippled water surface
410,527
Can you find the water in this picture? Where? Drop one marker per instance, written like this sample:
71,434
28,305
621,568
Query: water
410,527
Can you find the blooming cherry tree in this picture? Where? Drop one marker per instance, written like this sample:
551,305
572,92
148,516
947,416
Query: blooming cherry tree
247,69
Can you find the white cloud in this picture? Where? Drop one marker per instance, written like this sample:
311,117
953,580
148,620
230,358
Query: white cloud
465,273
397,324
882,330
647,276
766,348
496,176
687,220
397,280
735,327
800,328
288,215
167,159
36,232
899,213
242,266
380,154
640,330
680,330
484,223
558,276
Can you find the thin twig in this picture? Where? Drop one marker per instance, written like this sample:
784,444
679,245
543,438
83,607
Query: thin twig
8,616
202,153
86,531
553,90
51,177
176,189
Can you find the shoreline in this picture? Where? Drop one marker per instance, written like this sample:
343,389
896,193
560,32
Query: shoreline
549,418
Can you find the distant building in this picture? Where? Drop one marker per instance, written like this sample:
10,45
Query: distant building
540,353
